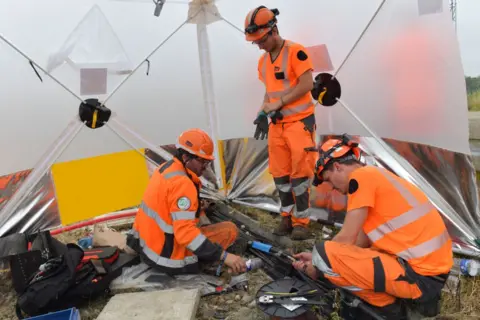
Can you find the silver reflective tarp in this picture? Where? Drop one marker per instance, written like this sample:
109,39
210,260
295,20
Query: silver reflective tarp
448,178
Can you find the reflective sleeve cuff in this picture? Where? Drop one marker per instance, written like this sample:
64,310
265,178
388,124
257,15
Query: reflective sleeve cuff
183,215
206,250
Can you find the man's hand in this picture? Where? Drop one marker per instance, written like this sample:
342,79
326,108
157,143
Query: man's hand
310,270
303,256
262,126
235,263
303,259
304,264
272,106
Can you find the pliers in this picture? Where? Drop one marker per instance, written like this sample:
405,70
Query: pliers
269,299
218,290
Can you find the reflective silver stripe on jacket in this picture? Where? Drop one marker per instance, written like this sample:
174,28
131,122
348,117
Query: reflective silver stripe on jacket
286,85
162,261
417,211
168,228
285,81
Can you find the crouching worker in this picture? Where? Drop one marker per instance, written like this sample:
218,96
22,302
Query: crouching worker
393,248
166,232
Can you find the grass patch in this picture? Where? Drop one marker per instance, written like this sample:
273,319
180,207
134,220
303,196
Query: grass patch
474,101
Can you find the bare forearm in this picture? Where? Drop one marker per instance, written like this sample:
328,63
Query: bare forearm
304,86
265,100
297,92
342,238
362,240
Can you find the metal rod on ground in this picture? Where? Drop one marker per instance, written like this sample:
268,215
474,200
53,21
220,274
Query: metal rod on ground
356,302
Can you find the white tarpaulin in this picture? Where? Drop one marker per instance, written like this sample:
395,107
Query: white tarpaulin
397,61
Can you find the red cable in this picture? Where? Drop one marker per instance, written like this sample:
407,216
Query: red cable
78,225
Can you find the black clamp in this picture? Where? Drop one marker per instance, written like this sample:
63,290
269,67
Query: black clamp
326,89
93,113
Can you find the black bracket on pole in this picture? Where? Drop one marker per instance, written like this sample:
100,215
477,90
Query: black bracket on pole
93,113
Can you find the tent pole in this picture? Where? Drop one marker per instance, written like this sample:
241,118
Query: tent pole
117,126
412,173
39,170
14,47
209,98
146,58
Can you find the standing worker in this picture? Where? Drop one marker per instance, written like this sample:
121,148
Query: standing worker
286,71
393,246
165,232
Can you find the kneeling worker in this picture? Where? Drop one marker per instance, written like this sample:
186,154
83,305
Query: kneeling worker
165,231
393,243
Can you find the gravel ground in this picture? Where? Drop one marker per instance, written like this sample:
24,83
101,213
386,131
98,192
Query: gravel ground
240,304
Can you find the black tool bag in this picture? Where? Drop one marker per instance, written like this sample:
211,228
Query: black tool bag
37,249
48,285
69,283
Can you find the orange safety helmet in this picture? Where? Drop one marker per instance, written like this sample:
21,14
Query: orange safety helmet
259,22
334,149
196,142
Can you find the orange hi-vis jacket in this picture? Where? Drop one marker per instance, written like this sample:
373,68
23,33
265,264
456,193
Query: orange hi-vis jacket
281,76
166,222
401,220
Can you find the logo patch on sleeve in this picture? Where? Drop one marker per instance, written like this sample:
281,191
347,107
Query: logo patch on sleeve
352,186
302,55
183,203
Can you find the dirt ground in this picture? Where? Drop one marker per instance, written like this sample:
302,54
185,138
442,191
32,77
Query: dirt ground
240,305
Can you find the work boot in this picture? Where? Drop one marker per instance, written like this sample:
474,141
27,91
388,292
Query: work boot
300,233
285,226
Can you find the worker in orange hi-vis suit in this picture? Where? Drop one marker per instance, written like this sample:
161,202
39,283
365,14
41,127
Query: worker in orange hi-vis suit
286,71
393,248
166,230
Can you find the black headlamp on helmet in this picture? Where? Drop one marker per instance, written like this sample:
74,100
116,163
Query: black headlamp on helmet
335,150
253,27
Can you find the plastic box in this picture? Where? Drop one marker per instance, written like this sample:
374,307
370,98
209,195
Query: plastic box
67,314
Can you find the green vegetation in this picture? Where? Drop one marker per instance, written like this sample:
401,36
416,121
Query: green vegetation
473,93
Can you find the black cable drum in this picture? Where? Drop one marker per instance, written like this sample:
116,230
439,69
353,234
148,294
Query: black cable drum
289,285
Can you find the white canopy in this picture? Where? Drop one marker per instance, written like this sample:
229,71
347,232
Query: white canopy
404,78
397,61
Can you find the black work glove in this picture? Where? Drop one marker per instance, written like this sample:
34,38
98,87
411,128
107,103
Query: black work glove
277,115
262,126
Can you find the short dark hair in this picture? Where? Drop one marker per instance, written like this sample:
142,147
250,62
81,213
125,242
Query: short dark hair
180,152
347,159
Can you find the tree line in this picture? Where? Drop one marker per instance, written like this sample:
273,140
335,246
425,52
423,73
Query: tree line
473,93
473,84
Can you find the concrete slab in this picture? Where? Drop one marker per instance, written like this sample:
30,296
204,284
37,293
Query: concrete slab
173,304
141,277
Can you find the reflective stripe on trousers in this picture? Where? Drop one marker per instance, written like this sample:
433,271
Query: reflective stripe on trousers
300,189
417,211
284,188
318,262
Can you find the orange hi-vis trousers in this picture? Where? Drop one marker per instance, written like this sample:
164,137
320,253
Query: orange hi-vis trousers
292,167
375,277
224,233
